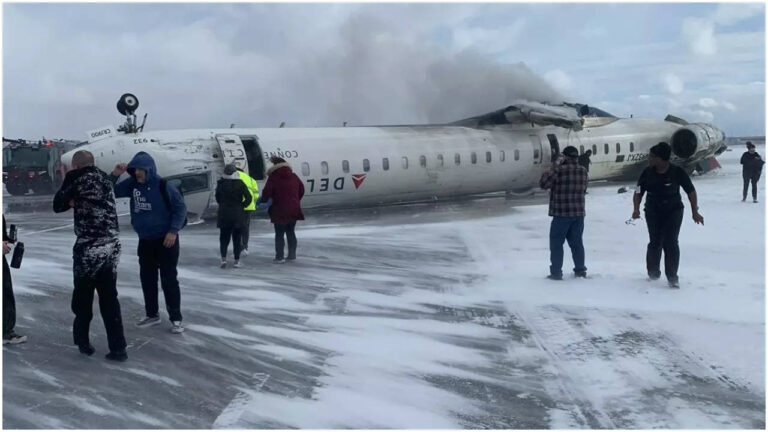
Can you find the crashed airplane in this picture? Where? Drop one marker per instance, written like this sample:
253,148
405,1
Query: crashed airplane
505,150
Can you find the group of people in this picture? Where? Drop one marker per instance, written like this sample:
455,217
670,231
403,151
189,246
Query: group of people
158,213
660,181
237,195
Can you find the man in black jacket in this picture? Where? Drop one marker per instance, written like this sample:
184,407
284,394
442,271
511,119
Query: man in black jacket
9,302
752,167
88,191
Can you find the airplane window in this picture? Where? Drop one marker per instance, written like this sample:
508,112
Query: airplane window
305,169
618,148
423,161
536,154
440,160
606,148
385,164
190,183
488,157
324,167
502,156
517,154
366,165
594,149
405,162
631,147
474,158
581,149
457,159
345,166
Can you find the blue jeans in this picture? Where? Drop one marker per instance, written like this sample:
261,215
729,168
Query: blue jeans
562,229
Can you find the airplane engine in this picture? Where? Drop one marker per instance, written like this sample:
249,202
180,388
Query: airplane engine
696,139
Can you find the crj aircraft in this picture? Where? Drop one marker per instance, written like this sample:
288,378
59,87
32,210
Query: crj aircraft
505,150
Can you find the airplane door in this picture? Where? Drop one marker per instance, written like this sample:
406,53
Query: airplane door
536,142
233,151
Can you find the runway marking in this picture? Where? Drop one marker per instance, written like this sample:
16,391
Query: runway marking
230,416
59,227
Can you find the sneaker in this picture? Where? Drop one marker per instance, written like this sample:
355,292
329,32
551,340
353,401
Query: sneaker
223,264
14,339
555,277
237,264
754,200
674,283
581,275
176,327
291,258
148,321
654,276
244,252
278,261
86,349
120,356
743,199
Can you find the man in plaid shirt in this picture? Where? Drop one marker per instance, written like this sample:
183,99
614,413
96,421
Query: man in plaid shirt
568,183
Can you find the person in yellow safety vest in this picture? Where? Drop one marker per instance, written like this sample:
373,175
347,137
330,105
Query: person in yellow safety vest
253,188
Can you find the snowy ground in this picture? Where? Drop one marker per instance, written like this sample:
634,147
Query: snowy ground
415,317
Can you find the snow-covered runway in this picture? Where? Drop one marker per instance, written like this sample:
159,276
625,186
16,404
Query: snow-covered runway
425,316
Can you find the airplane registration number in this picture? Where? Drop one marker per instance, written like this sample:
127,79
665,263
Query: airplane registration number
636,157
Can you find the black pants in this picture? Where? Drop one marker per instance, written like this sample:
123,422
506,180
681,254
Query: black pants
236,234
9,303
281,231
105,283
153,256
750,178
246,230
663,230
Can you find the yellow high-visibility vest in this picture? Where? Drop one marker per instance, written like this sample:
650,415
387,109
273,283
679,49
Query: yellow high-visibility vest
253,188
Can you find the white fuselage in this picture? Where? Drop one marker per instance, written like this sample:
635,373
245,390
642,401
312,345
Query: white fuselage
363,166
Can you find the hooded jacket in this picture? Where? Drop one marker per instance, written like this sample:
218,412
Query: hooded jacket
286,190
150,216
233,198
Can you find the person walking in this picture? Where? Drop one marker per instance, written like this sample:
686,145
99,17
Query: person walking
285,189
96,253
567,181
158,213
752,167
253,189
233,198
9,301
662,181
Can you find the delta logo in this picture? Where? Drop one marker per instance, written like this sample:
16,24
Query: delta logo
358,179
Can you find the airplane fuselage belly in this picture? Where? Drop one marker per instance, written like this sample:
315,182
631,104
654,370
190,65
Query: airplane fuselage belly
364,166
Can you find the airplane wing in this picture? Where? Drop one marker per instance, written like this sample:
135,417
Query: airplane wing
565,116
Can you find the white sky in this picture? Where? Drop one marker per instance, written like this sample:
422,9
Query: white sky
210,65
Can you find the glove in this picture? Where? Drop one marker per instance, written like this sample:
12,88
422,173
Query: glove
261,205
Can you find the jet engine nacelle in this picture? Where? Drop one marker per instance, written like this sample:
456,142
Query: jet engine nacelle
696,140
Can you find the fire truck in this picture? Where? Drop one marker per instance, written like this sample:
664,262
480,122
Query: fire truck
34,167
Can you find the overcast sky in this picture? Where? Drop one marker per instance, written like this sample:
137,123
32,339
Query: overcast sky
210,65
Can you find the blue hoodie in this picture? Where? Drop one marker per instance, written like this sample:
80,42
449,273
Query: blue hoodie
150,216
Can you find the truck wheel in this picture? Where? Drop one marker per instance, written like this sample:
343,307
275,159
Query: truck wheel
15,189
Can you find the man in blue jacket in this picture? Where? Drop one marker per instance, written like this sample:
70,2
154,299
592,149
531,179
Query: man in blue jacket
157,214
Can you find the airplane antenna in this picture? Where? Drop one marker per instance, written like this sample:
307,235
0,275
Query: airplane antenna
282,124
232,126
143,121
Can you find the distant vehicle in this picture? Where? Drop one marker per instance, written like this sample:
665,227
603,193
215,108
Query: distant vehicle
34,166
505,150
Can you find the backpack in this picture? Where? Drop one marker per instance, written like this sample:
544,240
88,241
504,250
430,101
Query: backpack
167,199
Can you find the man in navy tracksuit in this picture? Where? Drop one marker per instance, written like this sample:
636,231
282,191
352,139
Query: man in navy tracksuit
156,216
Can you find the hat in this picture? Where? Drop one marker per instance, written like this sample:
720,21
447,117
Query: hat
750,145
571,151
229,169
662,150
